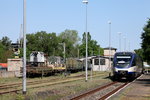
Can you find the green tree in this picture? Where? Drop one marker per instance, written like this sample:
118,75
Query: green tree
2,50
5,49
146,42
71,39
93,47
6,42
49,43
139,52
71,36
42,41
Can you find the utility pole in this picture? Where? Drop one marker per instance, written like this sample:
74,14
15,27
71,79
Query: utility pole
109,44
86,60
129,45
78,53
64,54
64,45
99,60
21,37
124,44
119,41
24,47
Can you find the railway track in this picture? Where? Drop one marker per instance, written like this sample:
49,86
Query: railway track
102,92
16,87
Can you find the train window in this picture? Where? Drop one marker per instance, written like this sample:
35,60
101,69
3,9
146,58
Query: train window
134,62
123,61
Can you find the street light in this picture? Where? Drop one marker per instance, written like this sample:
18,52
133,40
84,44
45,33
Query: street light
24,47
119,40
109,22
99,59
64,46
86,66
124,43
129,45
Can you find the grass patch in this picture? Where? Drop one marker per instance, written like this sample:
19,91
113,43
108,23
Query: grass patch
62,90
58,91
10,80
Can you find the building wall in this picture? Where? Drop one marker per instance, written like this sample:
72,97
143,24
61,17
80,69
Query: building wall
100,67
4,74
105,67
107,64
15,65
106,53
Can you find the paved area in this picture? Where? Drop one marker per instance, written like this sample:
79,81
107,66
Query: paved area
137,90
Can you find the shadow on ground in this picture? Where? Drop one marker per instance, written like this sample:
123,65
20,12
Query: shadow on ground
145,80
119,80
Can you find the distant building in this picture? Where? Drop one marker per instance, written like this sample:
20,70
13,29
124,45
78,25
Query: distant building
101,63
12,68
3,66
112,52
109,53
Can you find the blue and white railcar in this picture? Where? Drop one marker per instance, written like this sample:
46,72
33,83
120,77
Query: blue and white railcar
127,64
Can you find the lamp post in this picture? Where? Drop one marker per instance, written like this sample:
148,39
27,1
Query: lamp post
64,46
21,37
124,44
86,61
78,53
129,45
24,47
119,41
99,59
109,22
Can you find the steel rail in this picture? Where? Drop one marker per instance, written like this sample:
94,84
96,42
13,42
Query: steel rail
34,85
112,92
92,91
12,85
6,92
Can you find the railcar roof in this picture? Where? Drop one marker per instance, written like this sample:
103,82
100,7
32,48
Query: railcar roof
124,53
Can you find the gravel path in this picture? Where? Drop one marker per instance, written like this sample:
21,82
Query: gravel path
138,90
101,93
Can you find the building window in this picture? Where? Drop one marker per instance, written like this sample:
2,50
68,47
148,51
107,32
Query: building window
96,61
102,61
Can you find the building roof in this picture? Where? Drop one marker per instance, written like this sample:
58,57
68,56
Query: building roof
93,57
107,48
82,59
3,65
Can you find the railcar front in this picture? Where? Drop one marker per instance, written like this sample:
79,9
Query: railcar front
124,65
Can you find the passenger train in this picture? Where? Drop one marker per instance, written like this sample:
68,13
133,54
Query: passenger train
127,64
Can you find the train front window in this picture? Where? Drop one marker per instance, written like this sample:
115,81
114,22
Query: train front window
123,61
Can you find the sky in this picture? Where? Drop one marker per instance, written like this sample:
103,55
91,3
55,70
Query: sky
126,16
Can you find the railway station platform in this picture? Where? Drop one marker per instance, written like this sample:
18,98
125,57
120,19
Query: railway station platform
137,90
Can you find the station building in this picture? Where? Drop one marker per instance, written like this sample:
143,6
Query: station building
101,63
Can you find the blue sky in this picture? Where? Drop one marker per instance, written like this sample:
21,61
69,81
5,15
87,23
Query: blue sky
126,16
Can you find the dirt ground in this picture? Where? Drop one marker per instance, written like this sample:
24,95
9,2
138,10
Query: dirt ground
137,90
